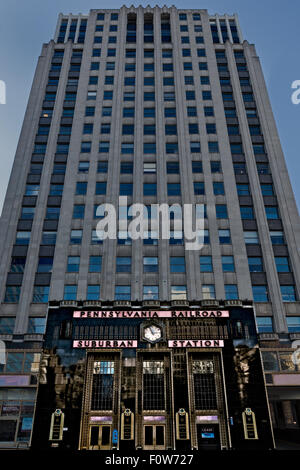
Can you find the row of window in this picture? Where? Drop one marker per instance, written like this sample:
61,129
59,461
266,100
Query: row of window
150,189
72,30
131,53
129,112
53,213
148,66
115,16
221,32
149,129
150,292
150,168
127,148
148,81
150,238
190,95
125,168
150,264
150,148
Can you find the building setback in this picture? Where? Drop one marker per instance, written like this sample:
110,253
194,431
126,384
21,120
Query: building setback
158,105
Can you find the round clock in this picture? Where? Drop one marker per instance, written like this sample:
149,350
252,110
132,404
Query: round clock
152,333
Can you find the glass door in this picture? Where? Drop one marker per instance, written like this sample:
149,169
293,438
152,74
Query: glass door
154,437
208,437
100,437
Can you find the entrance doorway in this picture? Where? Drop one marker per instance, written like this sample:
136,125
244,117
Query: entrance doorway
208,437
100,437
154,437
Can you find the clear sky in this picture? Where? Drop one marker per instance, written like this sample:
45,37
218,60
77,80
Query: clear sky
273,25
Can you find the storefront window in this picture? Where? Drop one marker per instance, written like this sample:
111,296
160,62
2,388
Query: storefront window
270,361
8,430
20,362
16,414
286,362
14,362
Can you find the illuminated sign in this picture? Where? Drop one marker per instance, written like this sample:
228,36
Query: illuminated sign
151,314
156,418
207,435
114,343
198,343
207,418
101,419
14,380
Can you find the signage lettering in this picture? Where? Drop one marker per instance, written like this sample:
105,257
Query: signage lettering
151,314
198,343
114,343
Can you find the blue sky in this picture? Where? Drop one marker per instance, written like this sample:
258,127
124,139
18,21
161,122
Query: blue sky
273,25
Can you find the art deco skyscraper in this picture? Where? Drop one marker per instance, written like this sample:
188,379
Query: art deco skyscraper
162,106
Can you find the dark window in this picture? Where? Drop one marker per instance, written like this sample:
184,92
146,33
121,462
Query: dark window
17,264
282,264
102,167
149,189
191,111
247,212
128,112
199,189
204,385
78,211
243,189
193,128
197,167
171,147
153,385
189,80
272,212
221,211
173,189
208,111
123,264
255,264
173,168
102,386
213,147
101,188
81,188
177,264
126,168
260,293
149,112
95,264
195,147
126,189
170,129
218,188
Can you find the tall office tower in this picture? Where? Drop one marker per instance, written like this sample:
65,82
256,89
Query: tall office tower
149,344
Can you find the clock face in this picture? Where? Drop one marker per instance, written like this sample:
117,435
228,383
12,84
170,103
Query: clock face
152,333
